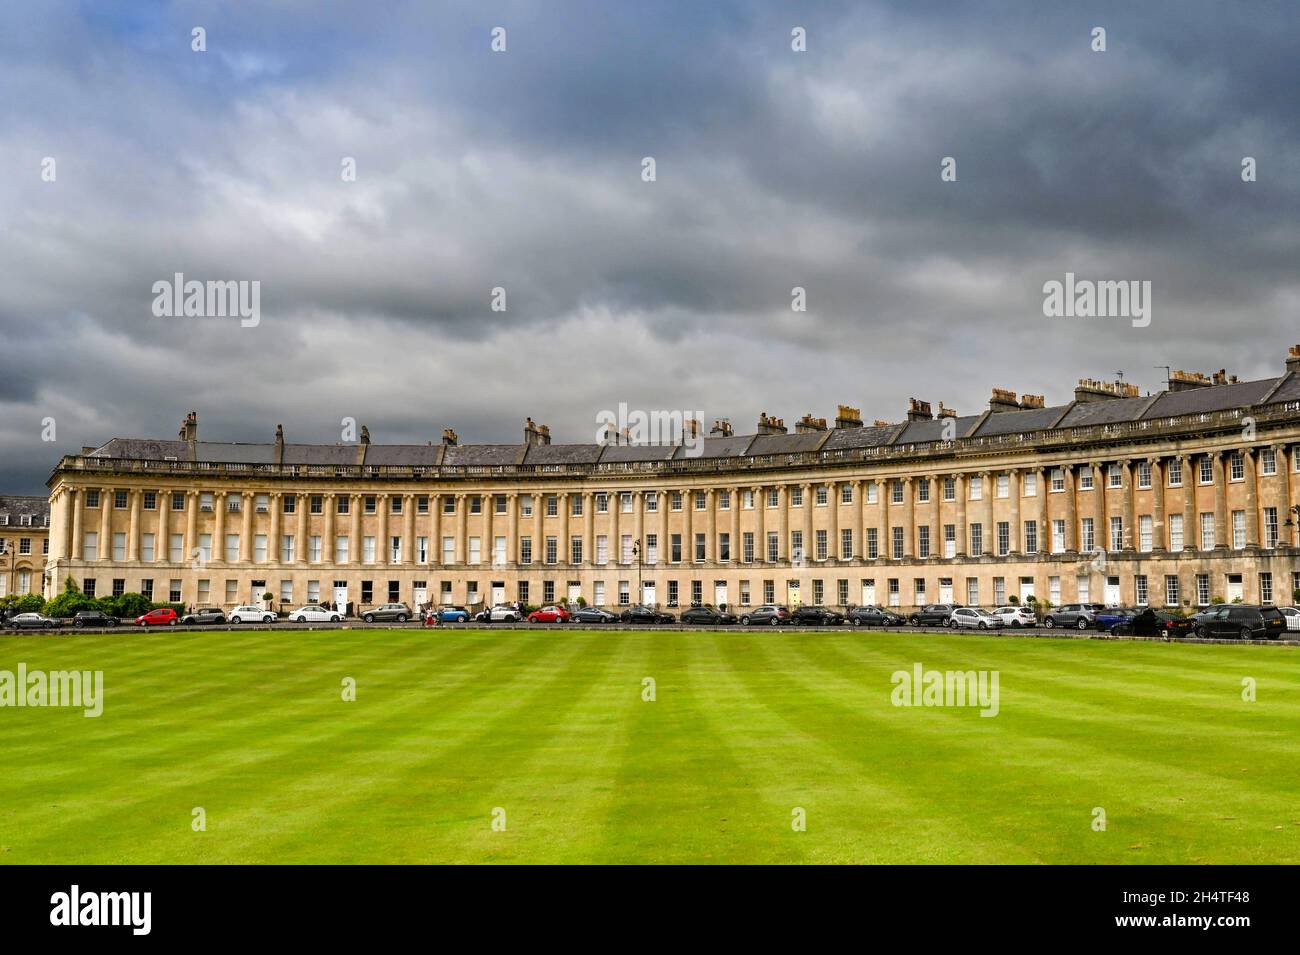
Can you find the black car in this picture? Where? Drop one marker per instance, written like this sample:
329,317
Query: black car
1079,616
205,615
767,615
93,618
1156,623
1236,620
593,615
640,614
817,617
932,615
873,617
709,615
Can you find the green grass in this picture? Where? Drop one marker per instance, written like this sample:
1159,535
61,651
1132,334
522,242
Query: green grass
551,727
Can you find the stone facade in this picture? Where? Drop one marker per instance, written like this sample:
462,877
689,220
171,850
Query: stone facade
1169,499
24,544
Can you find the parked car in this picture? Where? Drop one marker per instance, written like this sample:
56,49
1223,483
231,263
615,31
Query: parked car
931,615
594,615
817,617
1080,616
974,617
161,617
1292,617
314,613
1238,620
93,618
450,614
766,614
874,617
204,615
709,616
500,613
251,613
1108,618
1156,623
399,612
1013,616
551,614
642,614
32,621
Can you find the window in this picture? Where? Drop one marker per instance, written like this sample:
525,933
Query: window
846,497
394,504
146,588
1088,543
368,549
949,488
1202,590
231,547
575,549
343,504
846,544
949,540
652,502
575,505
205,502
394,549
1265,588
1207,531
701,501
822,495
1117,533
769,591
176,548
842,593
1270,527
1268,461
999,591
422,504
526,548
1004,538
550,552
1175,473
873,490
747,547
25,546
672,593
873,543
421,550
1029,484
896,544
821,547
896,491
675,548
119,500
313,591
819,592
92,498
289,504
744,593
923,490
316,504
973,591
922,541
1085,479
1144,474
476,550
1207,471
796,546
724,546
1171,590
773,546
1115,475
1140,589
675,501
149,501
341,555
205,548
449,504
602,548
178,501
1175,532
976,539
526,504
625,593
598,593
1004,485
1238,529
1237,463
697,593
147,553
1031,537
1145,533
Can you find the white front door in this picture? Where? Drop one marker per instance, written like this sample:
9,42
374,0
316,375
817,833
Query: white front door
792,593
1026,589
498,592
648,593
341,597
1112,591
575,591
945,590
420,595
1234,587
719,593
868,593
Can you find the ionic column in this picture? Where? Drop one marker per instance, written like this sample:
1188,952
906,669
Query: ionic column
302,503
959,492
133,526
1158,533
589,527
1220,501
688,524
1072,539
1013,492
809,552
638,521
860,518
105,525
246,531
562,536
462,528
191,524
78,521
408,528
1252,496
1191,529
275,545
512,528
219,526
435,527
783,517
381,532
1284,489
355,503
1044,523
330,506
1128,533
760,525
909,517
162,545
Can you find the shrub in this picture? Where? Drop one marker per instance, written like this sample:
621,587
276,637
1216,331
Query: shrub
127,606
71,601
22,603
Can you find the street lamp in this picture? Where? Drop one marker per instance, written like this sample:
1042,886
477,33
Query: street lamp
640,589
1294,509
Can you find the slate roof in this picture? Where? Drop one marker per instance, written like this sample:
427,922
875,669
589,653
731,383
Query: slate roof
16,505
1076,414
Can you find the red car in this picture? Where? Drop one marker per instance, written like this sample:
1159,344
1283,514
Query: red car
549,615
163,616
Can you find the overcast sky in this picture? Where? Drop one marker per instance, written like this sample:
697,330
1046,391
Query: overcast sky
523,170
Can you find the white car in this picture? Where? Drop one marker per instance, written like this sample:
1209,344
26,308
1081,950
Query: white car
1292,617
250,614
974,617
314,613
1016,616
501,613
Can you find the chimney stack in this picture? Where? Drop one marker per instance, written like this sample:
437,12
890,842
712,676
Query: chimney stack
918,410
721,429
881,423
1092,390
1003,400
532,433
190,427
848,417
279,445
770,425
449,436
808,424
1180,380
1221,377
1032,401
1293,359
945,411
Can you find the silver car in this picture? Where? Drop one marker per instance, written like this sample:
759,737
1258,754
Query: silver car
975,618
1013,616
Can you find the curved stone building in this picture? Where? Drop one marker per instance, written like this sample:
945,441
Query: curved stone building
1173,498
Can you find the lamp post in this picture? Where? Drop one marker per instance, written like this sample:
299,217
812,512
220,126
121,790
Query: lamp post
636,552
1294,509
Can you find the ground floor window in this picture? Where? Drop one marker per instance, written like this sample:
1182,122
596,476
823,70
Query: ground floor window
744,593
1140,589
1171,590
1266,588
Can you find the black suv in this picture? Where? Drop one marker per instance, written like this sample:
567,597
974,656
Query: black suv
93,618
873,617
931,615
1080,616
640,614
708,615
1235,620
817,617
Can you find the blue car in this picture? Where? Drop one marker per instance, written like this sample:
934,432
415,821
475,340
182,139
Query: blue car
1108,618
453,614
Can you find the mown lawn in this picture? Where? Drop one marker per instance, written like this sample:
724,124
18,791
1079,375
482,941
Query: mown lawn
551,728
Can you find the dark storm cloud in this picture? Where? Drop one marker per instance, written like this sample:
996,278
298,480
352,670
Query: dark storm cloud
522,170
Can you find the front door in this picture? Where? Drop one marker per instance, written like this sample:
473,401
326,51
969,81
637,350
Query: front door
1112,591
648,596
1026,589
498,592
720,593
420,595
1234,587
945,590
341,596
792,593
868,593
